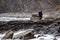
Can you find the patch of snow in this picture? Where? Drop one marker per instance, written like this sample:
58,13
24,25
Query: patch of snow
58,38
12,18
1,36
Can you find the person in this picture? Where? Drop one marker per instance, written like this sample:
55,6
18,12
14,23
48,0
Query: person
40,15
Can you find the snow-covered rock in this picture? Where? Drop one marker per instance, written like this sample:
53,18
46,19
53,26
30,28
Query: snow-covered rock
22,33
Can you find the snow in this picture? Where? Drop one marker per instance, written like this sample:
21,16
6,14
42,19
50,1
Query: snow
58,38
12,18
44,37
1,36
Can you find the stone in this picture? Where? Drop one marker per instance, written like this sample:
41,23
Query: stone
8,35
25,34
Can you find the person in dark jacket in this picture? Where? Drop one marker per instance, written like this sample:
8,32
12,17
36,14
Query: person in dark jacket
40,15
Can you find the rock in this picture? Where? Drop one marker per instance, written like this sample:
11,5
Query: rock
8,35
25,34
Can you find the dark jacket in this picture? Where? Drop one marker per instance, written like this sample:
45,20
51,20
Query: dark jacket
40,15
